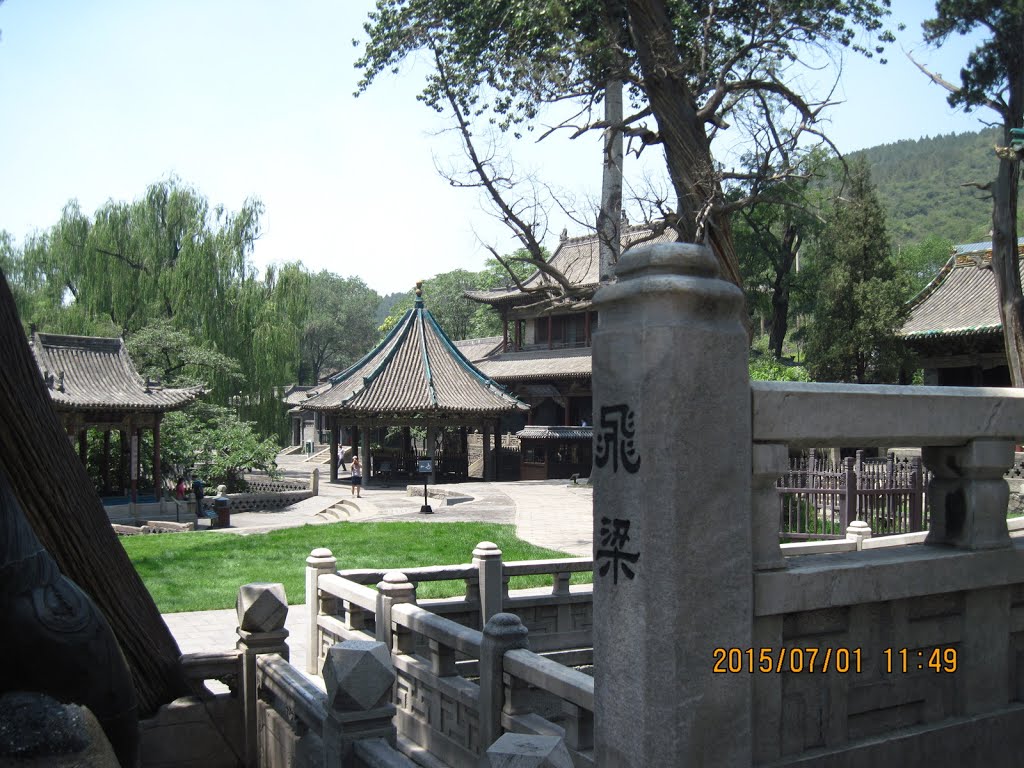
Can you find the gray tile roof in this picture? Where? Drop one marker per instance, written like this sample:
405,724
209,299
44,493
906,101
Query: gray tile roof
476,350
577,259
538,364
415,371
94,373
538,432
961,300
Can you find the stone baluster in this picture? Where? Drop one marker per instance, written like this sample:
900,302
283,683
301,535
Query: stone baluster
502,633
487,559
359,677
672,501
393,590
320,561
262,610
519,750
968,494
769,461
579,727
857,531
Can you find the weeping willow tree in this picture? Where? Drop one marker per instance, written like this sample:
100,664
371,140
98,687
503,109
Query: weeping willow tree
169,257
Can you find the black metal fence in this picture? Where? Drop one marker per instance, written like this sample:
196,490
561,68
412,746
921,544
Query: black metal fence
818,498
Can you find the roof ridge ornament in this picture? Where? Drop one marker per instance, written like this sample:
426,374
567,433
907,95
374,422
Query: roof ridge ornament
419,294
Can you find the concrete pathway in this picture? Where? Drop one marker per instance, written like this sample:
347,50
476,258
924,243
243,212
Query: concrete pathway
549,513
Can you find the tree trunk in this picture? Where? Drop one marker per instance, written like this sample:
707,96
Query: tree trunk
1005,252
687,148
62,507
609,217
780,290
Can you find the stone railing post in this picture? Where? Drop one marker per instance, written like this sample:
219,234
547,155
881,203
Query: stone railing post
969,494
314,481
503,632
857,531
262,610
519,750
769,462
358,676
394,589
487,559
672,501
320,561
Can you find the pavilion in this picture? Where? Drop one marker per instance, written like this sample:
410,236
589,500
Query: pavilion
94,384
954,328
415,377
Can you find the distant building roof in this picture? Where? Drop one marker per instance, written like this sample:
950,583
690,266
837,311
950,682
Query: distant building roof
961,300
540,432
415,371
476,350
565,363
95,373
577,258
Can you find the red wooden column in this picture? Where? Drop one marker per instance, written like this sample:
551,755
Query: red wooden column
158,485
105,461
504,330
83,444
332,424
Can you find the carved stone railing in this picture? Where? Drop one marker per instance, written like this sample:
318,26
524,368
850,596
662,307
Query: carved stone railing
459,687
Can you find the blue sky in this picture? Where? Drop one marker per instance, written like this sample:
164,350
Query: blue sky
254,99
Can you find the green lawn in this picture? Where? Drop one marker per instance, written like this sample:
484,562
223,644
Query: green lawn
201,570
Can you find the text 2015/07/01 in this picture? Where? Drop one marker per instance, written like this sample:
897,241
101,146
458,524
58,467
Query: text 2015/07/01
842,660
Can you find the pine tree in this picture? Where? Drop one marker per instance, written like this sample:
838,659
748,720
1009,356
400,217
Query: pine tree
860,298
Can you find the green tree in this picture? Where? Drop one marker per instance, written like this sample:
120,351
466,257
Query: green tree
993,77
693,68
860,303
921,262
339,327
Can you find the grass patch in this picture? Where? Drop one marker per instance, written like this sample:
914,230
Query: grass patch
202,571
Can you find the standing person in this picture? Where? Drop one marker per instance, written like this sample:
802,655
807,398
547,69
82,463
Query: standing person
357,476
197,491
179,489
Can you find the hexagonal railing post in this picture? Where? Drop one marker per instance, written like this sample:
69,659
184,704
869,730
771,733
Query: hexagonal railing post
262,611
487,559
519,750
502,633
359,678
394,589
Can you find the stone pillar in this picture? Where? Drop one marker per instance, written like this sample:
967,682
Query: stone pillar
857,531
503,632
320,561
519,750
314,481
672,497
769,462
968,494
358,676
394,589
262,611
487,559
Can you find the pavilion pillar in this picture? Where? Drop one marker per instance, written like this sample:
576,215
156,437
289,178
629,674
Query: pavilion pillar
105,461
122,461
431,452
519,334
135,459
550,329
332,423
464,450
485,441
158,485
504,330
364,454
673,559
83,444
497,449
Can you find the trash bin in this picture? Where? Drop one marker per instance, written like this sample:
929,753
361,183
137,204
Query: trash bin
222,506
309,446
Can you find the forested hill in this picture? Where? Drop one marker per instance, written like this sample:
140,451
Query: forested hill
920,181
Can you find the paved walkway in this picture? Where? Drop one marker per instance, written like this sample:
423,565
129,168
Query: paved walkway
549,513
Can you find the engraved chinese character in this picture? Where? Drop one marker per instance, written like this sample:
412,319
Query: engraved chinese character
615,438
614,537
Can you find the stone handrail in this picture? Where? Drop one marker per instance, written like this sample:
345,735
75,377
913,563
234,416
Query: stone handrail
280,680
810,415
569,684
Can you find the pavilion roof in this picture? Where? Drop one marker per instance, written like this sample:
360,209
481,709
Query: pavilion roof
578,259
96,373
415,371
961,300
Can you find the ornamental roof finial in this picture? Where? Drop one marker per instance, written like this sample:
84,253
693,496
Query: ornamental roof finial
419,294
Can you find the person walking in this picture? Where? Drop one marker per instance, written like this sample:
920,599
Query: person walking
357,476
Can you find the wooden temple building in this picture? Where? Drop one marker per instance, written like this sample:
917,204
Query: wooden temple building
416,376
954,329
93,384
